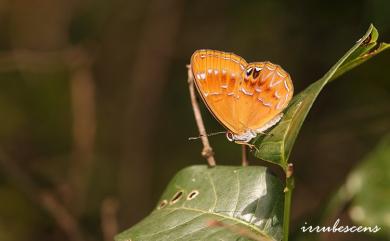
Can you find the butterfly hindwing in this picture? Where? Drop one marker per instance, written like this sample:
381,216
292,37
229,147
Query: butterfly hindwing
265,91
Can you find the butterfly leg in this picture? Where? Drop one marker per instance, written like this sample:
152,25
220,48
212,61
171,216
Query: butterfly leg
243,144
251,146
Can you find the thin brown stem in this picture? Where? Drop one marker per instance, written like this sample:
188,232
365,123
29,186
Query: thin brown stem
82,88
207,151
244,160
45,199
61,215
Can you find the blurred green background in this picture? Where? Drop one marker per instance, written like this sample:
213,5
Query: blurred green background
95,112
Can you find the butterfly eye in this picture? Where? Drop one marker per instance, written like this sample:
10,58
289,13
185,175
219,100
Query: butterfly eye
256,72
230,136
249,72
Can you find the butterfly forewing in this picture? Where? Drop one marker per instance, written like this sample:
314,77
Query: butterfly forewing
217,76
241,96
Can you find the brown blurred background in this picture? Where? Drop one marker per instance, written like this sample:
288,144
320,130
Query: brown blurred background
95,111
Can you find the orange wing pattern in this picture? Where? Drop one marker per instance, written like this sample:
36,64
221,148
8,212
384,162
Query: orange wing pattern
241,96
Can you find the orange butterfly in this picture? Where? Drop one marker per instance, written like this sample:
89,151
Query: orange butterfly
245,98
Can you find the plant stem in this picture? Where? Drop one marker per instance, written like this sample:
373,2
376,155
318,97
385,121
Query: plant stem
287,201
244,159
207,151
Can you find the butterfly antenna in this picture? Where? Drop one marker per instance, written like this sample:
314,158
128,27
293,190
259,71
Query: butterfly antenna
211,134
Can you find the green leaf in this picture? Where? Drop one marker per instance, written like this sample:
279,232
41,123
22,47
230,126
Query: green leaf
276,147
229,203
369,186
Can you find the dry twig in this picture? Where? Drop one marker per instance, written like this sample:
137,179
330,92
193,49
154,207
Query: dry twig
207,151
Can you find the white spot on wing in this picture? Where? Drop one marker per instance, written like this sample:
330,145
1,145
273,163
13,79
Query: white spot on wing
286,86
280,74
202,75
267,104
272,84
270,67
245,91
282,102
277,95
266,77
